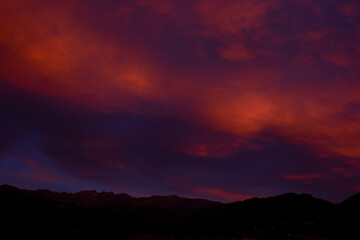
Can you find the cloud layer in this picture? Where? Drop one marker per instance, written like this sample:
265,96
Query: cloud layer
217,99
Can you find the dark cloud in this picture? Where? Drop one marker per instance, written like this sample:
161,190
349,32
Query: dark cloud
351,112
126,147
225,100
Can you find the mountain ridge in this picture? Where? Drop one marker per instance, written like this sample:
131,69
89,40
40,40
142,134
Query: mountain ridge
93,215
88,193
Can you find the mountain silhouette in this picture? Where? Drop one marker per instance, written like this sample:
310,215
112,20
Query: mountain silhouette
44,214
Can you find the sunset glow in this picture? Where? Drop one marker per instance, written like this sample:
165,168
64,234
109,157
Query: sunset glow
243,98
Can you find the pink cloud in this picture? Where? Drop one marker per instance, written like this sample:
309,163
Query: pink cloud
222,194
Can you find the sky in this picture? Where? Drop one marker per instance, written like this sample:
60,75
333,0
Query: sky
224,100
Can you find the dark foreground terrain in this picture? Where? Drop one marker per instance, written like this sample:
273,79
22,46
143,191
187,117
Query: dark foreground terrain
44,214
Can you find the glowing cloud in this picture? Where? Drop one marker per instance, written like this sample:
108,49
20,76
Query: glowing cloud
133,90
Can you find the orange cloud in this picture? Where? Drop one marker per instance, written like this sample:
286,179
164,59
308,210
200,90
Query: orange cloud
231,17
164,7
303,177
53,51
52,55
340,59
213,147
236,53
227,196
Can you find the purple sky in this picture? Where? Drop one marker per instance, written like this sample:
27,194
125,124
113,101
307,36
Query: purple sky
224,100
